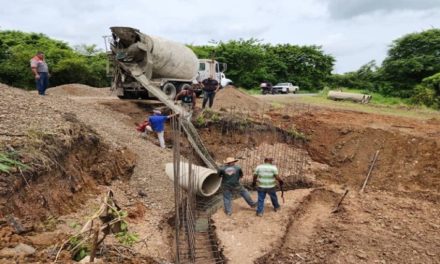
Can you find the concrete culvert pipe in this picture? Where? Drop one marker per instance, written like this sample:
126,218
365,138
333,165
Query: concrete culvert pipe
354,97
206,182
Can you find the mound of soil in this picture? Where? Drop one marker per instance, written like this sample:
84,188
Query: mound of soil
67,163
232,98
64,156
80,90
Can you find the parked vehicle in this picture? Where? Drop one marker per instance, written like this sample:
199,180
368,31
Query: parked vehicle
285,88
266,88
169,65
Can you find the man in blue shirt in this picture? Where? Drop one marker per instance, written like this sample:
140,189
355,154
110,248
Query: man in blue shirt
157,125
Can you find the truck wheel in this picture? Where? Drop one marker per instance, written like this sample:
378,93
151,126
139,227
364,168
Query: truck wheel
170,90
184,86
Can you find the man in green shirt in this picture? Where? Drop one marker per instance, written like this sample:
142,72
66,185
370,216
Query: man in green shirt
265,177
231,174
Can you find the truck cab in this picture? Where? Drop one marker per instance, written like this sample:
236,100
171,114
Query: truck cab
215,69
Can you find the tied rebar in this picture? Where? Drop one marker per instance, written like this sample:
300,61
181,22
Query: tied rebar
194,236
251,137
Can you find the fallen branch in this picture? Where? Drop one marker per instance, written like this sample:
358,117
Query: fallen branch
93,232
340,202
370,170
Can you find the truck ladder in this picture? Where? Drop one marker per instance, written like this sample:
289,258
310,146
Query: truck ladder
191,132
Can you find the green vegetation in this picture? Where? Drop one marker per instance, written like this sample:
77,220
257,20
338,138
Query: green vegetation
82,64
9,161
250,62
253,91
410,71
297,134
124,236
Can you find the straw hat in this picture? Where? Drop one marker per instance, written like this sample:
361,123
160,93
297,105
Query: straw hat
230,160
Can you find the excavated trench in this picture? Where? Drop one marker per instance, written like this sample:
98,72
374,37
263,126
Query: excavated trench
326,154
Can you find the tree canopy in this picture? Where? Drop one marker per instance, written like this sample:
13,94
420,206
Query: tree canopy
85,64
412,58
251,62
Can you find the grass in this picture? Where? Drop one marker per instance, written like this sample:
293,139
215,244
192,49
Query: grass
253,91
378,105
380,99
9,161
376,108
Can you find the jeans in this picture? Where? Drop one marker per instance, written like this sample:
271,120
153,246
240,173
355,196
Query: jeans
262,196
228,195
42,83
208,96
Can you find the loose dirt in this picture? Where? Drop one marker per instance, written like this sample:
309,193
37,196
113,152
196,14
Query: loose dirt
231,97
395,221
80,90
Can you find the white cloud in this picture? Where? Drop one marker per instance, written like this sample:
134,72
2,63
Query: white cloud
355,31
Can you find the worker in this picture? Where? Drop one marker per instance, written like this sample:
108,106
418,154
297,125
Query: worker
156,123
41,72
231,175
188,99
264,178
210,88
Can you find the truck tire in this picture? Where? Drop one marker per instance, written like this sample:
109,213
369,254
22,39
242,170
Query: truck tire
170,90
184,86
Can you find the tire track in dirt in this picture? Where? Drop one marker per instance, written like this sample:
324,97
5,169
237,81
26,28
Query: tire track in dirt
313,212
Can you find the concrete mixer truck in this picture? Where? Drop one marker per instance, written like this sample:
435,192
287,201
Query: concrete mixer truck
168,65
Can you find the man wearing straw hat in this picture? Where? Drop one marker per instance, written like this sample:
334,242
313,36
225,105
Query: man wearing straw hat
231,174
264,178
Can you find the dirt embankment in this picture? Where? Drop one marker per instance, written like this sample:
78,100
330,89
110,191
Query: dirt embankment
407,161
66,163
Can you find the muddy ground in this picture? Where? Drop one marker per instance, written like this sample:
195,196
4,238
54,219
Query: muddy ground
396,220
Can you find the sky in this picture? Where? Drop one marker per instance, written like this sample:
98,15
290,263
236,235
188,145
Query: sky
353,31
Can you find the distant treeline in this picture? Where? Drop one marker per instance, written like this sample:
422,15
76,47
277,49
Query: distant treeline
250,62
411,69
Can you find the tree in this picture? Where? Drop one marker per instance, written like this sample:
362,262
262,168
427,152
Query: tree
85,65
411,58
428,92
250,62
365,78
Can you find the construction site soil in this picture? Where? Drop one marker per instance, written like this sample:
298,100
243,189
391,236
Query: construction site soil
80,142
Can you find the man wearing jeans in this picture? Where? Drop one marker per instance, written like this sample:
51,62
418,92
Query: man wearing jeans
210,87
264,178
41,72
231,174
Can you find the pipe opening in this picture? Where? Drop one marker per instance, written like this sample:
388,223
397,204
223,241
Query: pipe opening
210,185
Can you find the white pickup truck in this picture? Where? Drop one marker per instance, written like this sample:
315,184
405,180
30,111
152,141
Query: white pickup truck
285,88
